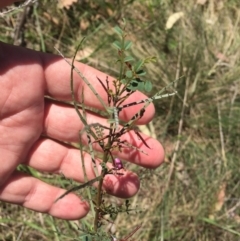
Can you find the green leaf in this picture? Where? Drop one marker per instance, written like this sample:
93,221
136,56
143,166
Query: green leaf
123,81
141,86
147,86
127,45
128,59
117,45
136,84
141,72
150,59
129,74
118,30
138,65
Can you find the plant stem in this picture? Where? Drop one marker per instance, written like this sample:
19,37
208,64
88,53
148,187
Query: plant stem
99,193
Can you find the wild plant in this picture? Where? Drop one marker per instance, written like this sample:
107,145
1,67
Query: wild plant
110,138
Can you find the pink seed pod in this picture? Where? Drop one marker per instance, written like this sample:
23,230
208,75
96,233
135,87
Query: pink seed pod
118,164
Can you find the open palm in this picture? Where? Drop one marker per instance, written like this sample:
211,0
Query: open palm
31,124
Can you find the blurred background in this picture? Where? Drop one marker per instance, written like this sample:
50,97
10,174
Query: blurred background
195,194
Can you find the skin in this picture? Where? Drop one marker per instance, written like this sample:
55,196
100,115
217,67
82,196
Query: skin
31,124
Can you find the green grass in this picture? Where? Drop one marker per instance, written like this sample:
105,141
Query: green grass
199,127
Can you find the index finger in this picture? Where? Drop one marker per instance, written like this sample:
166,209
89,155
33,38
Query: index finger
57,76
54,73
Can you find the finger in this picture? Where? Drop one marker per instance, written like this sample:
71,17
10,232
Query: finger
58,71
53,74
52,157
4,3
62,123
36,195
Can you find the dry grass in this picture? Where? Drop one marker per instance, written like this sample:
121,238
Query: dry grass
195,194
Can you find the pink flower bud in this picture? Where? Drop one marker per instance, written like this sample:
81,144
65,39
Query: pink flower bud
118,164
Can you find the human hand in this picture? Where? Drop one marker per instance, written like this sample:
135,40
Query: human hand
25,77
